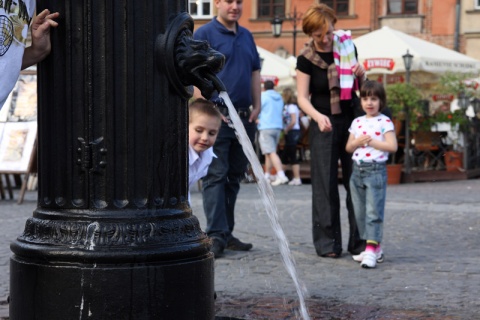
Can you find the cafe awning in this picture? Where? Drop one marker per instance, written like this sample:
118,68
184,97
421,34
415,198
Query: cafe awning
275,68
381,51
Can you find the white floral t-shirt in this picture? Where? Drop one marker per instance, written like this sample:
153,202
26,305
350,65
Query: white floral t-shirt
375,127
15,18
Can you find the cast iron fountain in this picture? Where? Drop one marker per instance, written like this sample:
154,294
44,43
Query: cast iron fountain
113,235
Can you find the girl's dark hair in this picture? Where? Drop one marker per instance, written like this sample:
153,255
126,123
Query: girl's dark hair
373,88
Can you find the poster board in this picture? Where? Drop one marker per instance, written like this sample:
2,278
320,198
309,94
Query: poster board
18,129
16,146
23,104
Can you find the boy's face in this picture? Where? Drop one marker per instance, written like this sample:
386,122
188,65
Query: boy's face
203,131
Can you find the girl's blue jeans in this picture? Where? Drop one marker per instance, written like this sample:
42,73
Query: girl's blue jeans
368,187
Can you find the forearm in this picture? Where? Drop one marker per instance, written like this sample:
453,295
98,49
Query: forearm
307,107
355,143
386,146
41,45
293,122
32,56
351,146
196,93
256,94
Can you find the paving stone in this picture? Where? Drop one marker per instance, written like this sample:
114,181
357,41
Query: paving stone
431,271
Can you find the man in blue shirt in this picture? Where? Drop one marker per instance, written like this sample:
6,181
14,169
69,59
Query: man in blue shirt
241,77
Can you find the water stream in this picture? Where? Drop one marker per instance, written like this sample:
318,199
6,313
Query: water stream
268,199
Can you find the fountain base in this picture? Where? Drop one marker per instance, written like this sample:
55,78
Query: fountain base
130,291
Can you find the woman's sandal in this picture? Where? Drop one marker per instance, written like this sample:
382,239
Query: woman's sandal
330,255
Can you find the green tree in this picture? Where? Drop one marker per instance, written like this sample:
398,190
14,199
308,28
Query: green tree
401,96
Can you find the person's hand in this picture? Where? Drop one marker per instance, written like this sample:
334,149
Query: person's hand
363,140
359,71
324,123
254,114
41,25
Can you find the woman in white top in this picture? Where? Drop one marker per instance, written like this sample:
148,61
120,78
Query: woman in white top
291,121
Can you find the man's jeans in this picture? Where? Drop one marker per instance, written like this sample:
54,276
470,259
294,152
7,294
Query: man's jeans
368,187
222,182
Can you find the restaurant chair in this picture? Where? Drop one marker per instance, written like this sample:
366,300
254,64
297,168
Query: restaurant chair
428,149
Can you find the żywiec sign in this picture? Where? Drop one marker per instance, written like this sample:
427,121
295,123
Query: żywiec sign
384,63
442,97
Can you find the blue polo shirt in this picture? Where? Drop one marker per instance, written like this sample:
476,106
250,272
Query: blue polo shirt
241,59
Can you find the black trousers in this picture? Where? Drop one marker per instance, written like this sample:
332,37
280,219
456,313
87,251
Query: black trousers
326,148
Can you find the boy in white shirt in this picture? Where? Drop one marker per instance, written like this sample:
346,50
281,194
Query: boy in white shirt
204,123
372,138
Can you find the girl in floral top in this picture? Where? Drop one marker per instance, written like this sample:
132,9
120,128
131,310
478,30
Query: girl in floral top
372,138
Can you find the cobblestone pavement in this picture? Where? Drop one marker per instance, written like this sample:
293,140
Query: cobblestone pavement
431,244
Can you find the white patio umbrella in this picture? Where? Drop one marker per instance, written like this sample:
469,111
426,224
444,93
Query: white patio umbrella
277,69
381,51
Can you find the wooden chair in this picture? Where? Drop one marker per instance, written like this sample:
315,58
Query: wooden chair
428,149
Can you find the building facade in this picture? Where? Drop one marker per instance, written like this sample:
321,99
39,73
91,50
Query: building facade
453,24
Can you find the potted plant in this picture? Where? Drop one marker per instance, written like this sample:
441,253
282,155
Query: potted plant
456,121
402,97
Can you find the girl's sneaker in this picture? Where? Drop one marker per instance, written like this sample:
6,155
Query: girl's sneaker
379,256
295,182
369,260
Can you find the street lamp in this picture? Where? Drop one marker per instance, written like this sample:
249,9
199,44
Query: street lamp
476,137
476,107
463,103
463,100
407,60
277,26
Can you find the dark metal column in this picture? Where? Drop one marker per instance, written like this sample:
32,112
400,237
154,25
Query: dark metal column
113,236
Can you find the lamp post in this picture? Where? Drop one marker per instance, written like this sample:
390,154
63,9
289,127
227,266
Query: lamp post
475,135
407,60
476,107
113,235
464,102
277,26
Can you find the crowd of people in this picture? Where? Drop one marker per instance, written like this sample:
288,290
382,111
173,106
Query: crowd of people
328,75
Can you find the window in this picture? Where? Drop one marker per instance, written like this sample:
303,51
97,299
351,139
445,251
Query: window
477,4
402,6
339,6
200,8
271,8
